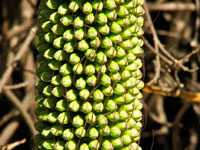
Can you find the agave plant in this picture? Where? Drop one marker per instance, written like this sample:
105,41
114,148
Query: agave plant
89,75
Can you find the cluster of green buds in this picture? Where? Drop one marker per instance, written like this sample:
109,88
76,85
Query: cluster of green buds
89,75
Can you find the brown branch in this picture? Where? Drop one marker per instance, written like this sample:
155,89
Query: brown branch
171,6
18,56
13,145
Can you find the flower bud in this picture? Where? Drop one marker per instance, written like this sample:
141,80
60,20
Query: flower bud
100,68
46,132
126,139
68,134
58,29
111,14
110,4
137,115
106,43
67,81
102,121
101,18
78,22
126,34
49,37
138,126
70,145
79,34
55,18
86,107
65,69
133,133
125,74
54,65
89,70
119,89
104,29
89,19
105,80
120,52
134,146
56,130
59,42
52,4
60,145
101,58
98,107
71,95
130,57
119,1
137,11
93,133
47,90
122,11
94,145
84,94
91,81
113,67
97,95
39,126
106,144
60,55
80,83
84,146
92,33
115,28
117,142
90,54
63,9
123,22
95,43
52,117
104,130
66,20
126,44
45,76
123,115
140,84
107,91
50,102
61,105
68,47
123,125
110,53
74,106
78,68
40,97
111,106
80,132
90,118
115,38
87,8
48,54
68,35
115,77
73,6
49,144
131,67
113,117
83,45
40,85
57,91
74,58
77,121
115,131
134,91
97,5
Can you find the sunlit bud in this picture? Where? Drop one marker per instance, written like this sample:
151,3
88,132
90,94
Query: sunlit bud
120,52
60,145
115,77
97,95
90,118
134,91
86,107
138,126
140,84
73,6
58,29
107,91
80,132
67,81
123,115
54,17
122,11
61,105
123,22
119,89
100,68
66,20
101,18
89,19
57,91
52,117
79,34
95,43
104,29
107,145
115,131
101,58
131,67
87,8
89,70
68,35
78,68
83,45
130,57
46,132
127,44
49,144
93,133
49,37
111,14
125,74
48,54
47,90
126,34
68,47
111,53
134,146
77,121
126,139
106,43
137,51
68,134
113,117
113,67
78,22
137,115
84,94
63,118
117,142
80,83
70,145
91,81
84,146
97,5
71,95
50,102
65,69
132,133
92,33
102,121
90,54
115,28
98,107
52,4
74,106
56,130
105,80
139,96
59,42
60,55
104,130
123,125
63,9
111,105
54,65
137,11
94,145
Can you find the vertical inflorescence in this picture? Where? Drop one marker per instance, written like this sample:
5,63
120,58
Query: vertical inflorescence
89,75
